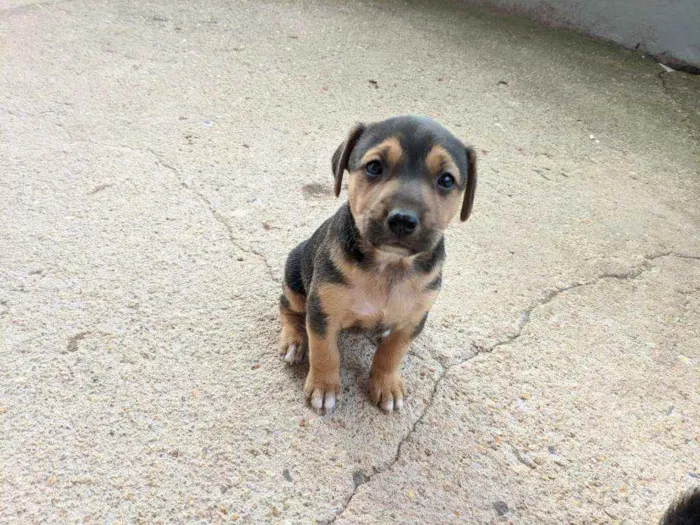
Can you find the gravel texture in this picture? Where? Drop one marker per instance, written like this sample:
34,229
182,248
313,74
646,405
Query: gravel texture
159,159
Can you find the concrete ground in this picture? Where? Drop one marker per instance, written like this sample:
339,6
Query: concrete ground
159,159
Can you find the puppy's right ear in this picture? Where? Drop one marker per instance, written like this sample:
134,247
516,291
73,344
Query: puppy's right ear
470,190
339,162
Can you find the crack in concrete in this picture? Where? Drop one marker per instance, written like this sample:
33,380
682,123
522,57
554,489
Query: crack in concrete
686,256
159,158
179,177
214,213
525,317
5,310
553,294
668,90
217,216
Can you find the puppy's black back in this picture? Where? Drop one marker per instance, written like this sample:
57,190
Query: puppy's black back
299,268
685,511
292,269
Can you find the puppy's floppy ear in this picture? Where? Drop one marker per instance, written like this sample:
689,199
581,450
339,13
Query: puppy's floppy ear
470,191
339,162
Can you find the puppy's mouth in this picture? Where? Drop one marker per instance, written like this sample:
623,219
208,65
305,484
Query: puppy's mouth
396,249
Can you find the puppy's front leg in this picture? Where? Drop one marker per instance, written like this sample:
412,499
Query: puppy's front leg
385,383
323,382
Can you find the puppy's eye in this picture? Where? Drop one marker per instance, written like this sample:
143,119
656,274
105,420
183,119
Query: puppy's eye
374,168
446,181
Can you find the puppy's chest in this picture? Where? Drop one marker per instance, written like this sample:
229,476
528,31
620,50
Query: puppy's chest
371,303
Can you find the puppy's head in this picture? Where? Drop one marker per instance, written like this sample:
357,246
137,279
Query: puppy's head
408,178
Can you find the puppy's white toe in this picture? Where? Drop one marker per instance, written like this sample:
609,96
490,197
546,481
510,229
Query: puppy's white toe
398,403
317,399
323,400
300,355
290,356
387,404
329,403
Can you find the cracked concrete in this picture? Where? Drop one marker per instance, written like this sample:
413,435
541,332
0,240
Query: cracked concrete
160,160
525,320
537,494
218,217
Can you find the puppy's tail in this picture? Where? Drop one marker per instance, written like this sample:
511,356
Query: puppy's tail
684,511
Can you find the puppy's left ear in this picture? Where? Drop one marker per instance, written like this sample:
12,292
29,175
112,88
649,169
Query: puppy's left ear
339,162
470,191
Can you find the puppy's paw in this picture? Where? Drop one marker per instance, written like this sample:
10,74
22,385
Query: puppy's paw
293,353
293,346
322,392
387,391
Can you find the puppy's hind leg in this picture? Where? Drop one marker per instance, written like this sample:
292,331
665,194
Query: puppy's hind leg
293,345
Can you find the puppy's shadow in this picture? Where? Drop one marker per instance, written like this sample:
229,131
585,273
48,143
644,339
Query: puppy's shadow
356,352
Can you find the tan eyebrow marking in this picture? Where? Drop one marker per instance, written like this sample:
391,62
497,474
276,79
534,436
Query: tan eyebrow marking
390,150
439,161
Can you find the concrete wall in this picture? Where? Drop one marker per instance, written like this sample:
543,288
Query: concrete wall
666,29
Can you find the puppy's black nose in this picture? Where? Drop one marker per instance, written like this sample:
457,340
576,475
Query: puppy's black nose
402,222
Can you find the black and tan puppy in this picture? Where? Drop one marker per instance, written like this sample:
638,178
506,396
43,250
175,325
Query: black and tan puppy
377,263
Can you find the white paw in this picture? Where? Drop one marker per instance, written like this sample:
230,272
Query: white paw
387,391
322,392
321,400
295,354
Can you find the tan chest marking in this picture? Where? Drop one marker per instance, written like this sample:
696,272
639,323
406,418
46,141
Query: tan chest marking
371,298
370,304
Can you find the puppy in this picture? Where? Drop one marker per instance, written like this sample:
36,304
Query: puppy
376,264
